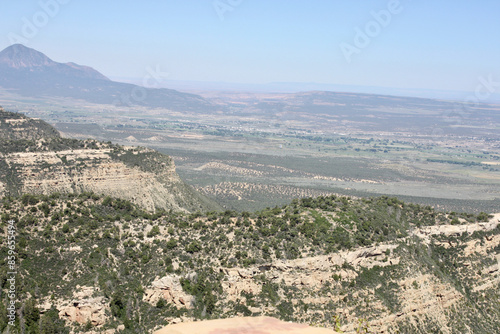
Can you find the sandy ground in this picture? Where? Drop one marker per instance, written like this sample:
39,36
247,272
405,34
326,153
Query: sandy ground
246,325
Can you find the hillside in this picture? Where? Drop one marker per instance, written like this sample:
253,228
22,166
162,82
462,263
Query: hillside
15,126
355,265
30,73
35,159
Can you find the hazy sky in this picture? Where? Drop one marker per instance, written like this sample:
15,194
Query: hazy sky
425,44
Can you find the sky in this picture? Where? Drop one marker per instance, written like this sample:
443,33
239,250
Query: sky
407,44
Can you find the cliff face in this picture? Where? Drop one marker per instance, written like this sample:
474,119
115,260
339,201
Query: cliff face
35,159
419,294
355,265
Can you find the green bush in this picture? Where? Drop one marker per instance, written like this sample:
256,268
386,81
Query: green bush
193,247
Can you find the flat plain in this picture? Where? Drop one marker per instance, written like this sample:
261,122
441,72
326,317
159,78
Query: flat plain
262,150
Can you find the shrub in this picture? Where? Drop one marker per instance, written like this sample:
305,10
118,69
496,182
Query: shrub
171,244
154,231
28,199
161,303
193,247
65,228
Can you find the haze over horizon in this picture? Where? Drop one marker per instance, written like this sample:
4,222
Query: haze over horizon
439,49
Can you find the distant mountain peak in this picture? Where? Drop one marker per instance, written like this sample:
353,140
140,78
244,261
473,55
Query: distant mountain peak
28,72
20,56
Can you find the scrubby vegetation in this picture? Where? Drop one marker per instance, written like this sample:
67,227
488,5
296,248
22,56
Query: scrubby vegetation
15,126
68,241
350,264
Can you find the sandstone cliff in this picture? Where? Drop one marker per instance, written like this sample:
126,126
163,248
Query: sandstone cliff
35,159
374,265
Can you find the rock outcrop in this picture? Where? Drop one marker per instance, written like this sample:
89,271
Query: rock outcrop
36,160
169,289
227,264
86,308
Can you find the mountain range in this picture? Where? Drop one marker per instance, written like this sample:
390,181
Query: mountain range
30,73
